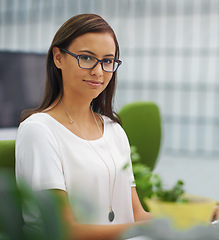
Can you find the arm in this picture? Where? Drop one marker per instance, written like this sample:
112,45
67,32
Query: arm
139,213
78,231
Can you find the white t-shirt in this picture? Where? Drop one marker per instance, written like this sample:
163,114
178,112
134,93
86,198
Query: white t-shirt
49,156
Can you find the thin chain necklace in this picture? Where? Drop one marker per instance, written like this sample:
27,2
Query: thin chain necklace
111,214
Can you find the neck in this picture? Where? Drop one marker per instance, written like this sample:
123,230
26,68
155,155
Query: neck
78,110
84,123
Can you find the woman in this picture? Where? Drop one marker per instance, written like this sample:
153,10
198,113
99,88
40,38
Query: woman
72,144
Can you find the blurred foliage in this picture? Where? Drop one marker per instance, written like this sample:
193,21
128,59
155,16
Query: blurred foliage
150,185
13,198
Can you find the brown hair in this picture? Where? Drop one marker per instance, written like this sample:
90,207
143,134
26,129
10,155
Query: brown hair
70,30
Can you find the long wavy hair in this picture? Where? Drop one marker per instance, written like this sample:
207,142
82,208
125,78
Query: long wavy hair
70,30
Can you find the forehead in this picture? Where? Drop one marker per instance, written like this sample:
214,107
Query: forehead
98,43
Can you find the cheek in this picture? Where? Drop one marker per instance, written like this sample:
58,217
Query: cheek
72,74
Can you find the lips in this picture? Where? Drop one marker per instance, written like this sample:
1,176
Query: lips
93,83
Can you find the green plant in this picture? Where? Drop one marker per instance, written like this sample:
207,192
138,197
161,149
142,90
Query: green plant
150,185
11,222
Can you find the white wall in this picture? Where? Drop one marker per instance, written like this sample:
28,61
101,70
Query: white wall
169,51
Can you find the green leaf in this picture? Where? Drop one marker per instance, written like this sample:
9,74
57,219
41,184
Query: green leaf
149,184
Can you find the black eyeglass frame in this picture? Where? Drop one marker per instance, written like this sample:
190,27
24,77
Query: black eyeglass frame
101,61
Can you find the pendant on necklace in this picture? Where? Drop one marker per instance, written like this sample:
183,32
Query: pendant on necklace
111,215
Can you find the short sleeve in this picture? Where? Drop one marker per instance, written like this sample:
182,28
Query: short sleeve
38,160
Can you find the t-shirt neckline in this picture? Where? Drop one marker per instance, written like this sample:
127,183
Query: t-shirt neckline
70,132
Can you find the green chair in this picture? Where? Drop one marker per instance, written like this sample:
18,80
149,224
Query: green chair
142,124
7,155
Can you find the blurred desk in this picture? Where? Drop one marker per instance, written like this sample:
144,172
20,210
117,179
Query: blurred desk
139,238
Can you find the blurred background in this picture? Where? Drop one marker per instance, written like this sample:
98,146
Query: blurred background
170,54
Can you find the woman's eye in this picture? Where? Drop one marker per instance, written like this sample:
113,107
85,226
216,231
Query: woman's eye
108,61
85,58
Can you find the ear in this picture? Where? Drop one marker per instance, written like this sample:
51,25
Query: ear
57,57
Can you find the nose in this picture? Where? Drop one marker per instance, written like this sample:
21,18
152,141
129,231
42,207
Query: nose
97,70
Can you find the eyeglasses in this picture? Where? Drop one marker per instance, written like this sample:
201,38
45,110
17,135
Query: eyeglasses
90,62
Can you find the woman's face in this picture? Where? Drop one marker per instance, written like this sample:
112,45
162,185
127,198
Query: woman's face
87,83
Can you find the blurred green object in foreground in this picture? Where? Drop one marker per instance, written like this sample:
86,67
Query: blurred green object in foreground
11,221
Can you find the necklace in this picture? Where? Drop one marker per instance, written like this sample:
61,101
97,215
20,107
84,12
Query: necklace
111,214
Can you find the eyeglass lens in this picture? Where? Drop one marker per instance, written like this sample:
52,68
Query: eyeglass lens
88,62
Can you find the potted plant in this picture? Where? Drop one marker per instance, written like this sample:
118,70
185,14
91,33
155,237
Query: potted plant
184,210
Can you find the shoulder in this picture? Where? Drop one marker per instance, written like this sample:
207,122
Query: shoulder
114,128
110,123
37,126
36,119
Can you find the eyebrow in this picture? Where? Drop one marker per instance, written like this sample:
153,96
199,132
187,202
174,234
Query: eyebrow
89,52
